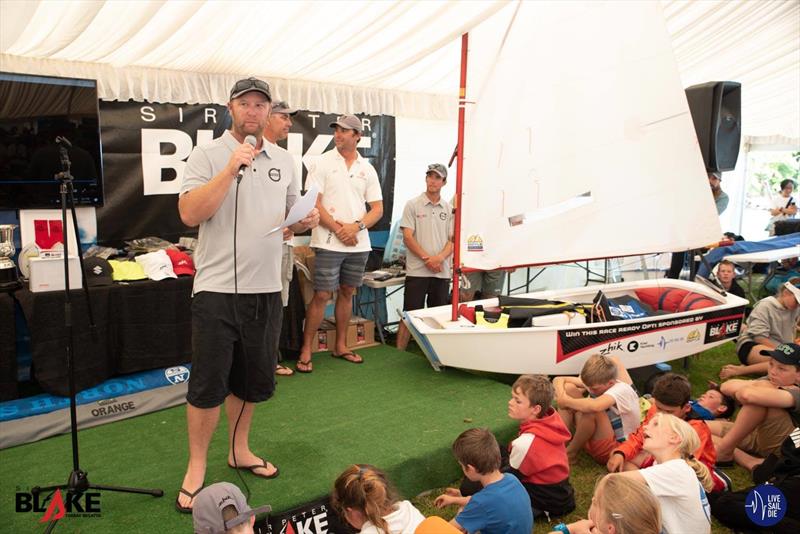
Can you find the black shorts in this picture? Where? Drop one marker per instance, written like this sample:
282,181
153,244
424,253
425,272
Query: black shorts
418,287
221,362
744,351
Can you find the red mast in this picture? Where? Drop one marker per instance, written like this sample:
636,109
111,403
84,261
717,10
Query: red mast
462,96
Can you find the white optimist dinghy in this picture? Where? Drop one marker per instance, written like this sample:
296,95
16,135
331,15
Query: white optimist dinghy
579,144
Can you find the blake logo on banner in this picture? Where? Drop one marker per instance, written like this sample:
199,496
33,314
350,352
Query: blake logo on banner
145,147
56,505
315,517
765,505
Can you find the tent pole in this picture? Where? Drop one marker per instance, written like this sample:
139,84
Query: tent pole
462,95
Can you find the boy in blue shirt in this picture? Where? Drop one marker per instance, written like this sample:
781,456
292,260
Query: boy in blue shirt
503,505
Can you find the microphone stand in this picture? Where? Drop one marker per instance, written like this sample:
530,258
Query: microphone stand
78,481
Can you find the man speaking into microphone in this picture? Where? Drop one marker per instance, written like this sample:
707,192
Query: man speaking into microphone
236,188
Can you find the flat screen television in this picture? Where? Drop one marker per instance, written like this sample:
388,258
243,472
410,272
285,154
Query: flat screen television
34,112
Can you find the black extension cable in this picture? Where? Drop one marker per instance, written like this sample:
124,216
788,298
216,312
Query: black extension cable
241,338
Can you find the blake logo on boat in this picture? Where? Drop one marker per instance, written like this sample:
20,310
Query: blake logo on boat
177,375
475,243
57,505
717,330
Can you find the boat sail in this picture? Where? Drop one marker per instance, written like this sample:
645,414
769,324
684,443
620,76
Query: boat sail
579,145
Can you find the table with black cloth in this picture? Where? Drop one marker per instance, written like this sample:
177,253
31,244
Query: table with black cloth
140,325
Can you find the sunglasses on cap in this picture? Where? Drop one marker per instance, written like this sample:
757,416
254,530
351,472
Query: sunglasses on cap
250,84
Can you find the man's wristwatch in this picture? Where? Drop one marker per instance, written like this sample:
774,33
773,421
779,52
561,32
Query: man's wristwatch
361,225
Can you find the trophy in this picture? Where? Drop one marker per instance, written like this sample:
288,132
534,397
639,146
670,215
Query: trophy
9,278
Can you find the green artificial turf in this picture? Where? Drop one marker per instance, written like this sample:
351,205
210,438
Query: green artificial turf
393,411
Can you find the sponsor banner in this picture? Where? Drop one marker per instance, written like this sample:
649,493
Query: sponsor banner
315,517
655,334
145,147
137,401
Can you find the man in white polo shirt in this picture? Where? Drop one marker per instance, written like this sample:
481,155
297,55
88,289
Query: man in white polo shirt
428,235
346,183
235,193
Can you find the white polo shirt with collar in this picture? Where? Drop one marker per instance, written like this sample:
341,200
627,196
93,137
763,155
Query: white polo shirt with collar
345,193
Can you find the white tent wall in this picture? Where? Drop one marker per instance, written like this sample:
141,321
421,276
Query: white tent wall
394,57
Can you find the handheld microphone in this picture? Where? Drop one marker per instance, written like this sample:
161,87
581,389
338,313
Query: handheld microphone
63,141
250,140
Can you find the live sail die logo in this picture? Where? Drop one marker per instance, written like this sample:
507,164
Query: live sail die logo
765,505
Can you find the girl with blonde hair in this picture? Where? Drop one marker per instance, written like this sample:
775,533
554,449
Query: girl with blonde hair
620,505
365,498
677,479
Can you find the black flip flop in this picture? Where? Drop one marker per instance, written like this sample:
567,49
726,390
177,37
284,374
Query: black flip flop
186,509
348,353
252,469
307,366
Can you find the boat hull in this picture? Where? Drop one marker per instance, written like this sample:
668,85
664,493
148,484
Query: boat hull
562,350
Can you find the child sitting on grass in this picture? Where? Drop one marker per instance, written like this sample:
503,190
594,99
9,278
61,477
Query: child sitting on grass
538,456
677,479
713,404
671,394
770,410
620,505
607,416
503,505
363,496
772,322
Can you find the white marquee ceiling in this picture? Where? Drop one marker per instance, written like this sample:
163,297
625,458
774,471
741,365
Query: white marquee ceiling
399,57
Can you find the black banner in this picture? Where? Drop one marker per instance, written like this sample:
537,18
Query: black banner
608,337
145,147
315,517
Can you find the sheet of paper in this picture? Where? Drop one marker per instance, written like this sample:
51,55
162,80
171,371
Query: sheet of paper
300,209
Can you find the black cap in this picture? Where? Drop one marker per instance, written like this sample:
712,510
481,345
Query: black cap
787,353
98,271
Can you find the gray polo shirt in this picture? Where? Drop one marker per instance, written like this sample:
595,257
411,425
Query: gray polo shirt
267,190
433,226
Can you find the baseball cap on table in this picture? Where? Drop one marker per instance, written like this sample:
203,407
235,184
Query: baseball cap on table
156,265
209,503
788,353
98,271
282,106
250,84
182,263
438,168
126,270
348,122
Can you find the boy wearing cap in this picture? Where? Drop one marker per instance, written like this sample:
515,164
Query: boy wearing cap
277,129
428,234
773,321
770,410
229,184
221,508
346,182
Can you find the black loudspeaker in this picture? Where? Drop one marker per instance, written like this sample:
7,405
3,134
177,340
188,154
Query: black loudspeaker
717,114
